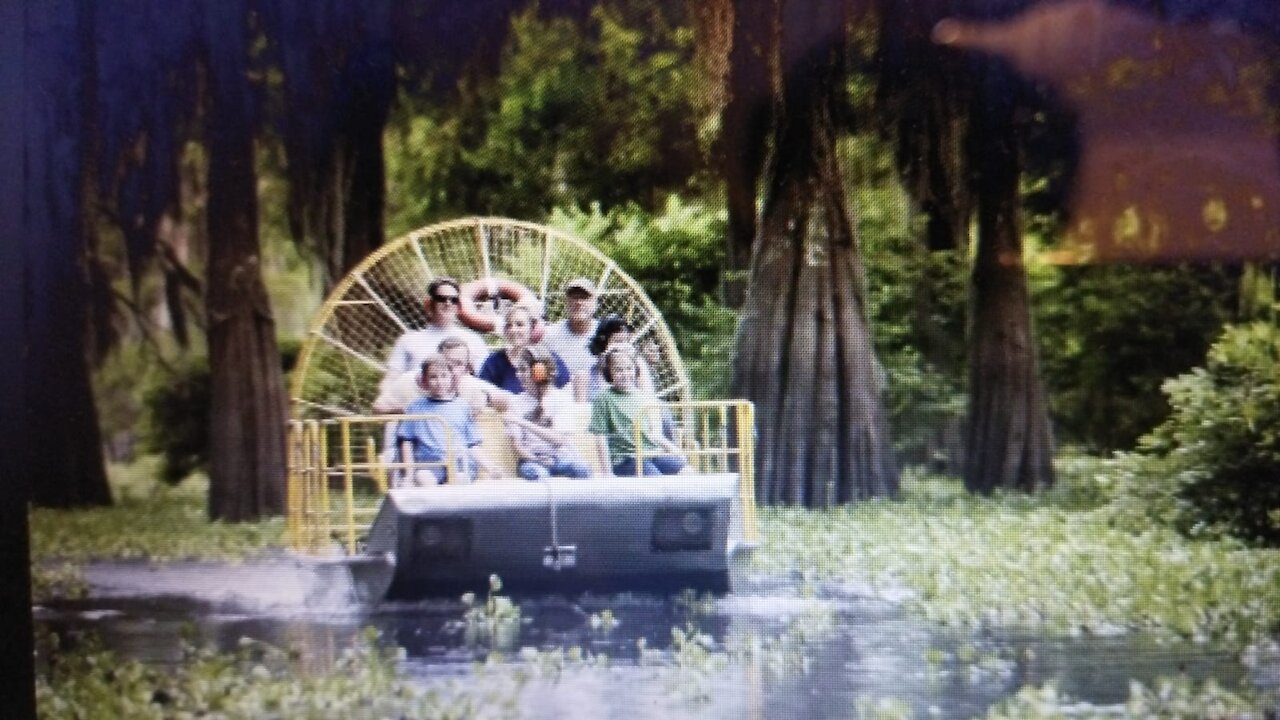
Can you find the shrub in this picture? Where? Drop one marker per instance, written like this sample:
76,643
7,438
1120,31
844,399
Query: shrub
177,414
1213,467
177,420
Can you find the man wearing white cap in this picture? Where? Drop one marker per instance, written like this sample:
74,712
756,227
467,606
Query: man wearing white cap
570,337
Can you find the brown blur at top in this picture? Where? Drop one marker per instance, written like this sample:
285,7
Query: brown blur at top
1179,152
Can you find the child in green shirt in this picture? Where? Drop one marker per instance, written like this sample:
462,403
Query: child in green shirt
621,410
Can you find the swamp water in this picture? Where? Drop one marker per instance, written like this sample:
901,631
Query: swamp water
773,649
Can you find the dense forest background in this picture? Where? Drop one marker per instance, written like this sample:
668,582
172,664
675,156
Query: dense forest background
908,194
976,236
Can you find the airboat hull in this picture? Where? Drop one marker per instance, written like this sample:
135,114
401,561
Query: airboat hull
651,535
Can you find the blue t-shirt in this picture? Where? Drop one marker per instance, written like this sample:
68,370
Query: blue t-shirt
430,437
497,369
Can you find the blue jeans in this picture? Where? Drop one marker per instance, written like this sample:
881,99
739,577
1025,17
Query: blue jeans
655,465
465,472
566,466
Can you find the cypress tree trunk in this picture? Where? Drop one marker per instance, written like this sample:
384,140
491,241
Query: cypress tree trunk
66,466
744,134
339,82
804,354
1010,444
362,169
247,423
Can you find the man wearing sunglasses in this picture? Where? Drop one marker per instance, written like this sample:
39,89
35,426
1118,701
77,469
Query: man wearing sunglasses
442,303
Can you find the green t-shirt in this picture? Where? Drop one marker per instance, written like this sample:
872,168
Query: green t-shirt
614,414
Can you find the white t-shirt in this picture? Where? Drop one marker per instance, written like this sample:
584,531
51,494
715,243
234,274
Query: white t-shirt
557,406
416,345
571,346
395,394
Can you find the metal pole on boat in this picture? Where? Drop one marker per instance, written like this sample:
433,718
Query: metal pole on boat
347,490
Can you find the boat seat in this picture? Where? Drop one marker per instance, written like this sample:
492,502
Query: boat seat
497,447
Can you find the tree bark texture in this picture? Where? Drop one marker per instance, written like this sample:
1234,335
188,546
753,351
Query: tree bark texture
248,413
1010,444
745,120
67,468
804,352
923,93
339,77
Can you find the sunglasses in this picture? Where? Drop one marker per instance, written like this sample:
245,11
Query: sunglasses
447,299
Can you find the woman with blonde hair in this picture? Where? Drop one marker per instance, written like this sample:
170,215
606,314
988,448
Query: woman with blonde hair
518,327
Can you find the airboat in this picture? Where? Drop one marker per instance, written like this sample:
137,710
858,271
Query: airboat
599,534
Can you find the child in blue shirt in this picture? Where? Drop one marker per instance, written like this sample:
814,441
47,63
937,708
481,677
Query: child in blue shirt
426,441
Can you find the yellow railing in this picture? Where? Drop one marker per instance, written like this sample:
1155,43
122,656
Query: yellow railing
339,468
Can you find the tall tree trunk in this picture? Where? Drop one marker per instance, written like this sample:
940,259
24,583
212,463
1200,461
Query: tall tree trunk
744,120
67,468
339,82
247,423
360,159
804,353
18,197
1009,440
922,95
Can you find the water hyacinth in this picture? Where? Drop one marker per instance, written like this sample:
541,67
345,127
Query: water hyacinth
495,623
1169,699
159,525
1013,561
262,683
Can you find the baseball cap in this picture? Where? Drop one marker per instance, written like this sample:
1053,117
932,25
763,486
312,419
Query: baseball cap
581,283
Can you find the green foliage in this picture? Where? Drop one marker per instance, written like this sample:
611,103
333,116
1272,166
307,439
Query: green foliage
149,522
1170,699
260,681
57,580
1213,467
676,255
1000,562
915,302
495,623
600,112
116,397
177,420
1109,336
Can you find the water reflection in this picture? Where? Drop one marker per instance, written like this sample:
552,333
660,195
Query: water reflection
774,654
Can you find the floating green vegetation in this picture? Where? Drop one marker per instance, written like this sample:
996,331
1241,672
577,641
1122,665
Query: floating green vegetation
149,522
261,681
1052,564
495,623
786,654
1176,699
61,580
882,708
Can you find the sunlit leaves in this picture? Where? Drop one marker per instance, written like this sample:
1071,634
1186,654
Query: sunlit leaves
1213,466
